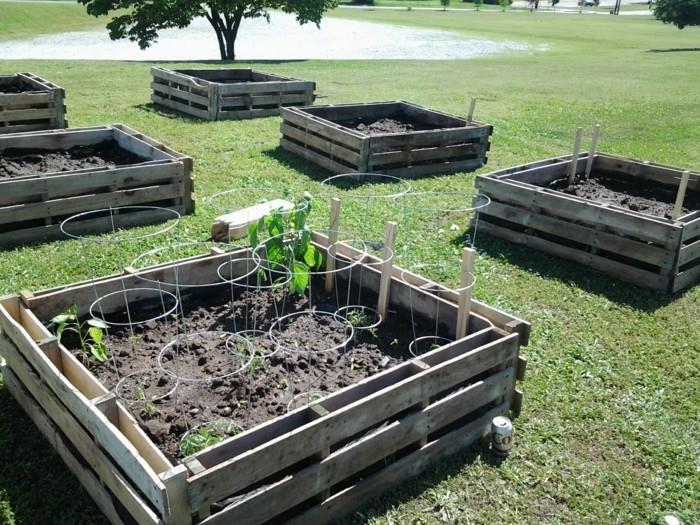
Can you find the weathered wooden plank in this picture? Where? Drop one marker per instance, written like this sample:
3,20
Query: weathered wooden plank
252,466
689,253
323,146
164,89
317,158
264,87
104,432
560,205
661,173
436,167
30,98
427,138
358,455
686,278
593,237
78,437
90,482
26,114
347,500
172,104
261,100
443,153
691,231
335,132
619,270
248,113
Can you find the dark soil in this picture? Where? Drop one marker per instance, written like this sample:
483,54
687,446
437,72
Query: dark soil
627,192
16,85
384,125
265,389
20,162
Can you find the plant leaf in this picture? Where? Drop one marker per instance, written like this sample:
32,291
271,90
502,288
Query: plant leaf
253,239
98,323
300,278
96,334
99,352
313,257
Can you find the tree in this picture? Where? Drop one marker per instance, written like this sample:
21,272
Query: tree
140,20
680,13
444,3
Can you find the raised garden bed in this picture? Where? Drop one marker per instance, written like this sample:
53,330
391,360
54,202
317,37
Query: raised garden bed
387,418
395,138
30,103
223,94
48,176
617,221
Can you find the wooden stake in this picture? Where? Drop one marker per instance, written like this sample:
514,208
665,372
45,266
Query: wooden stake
591,152
680,196
465,294
332,239
470,114
574,158
387,268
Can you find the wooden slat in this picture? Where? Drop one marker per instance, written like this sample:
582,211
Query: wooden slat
173,76
420,155
26,114
362,453
164,89
686,279
663,174
341,504
560,205
11,99
201,113
437,167
330,149
245,114
689,253
590,236
264,87
428,138
56,139
104,432
312,156
691,230
254,465
54,436
297,117
78,437
618,270
263,100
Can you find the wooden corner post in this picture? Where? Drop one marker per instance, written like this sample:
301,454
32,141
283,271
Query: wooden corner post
591,152
465,293
387,267
680,196
470,114
332,239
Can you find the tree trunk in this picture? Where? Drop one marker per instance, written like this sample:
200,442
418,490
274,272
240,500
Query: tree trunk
226,29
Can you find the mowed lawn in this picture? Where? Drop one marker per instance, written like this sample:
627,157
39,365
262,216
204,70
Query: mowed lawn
610,429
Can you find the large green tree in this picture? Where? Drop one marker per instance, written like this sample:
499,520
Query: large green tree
140,20
680,13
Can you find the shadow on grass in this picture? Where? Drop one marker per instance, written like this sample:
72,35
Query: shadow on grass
294,162
35,483
572,273
412,488
674,50
224,62
168,113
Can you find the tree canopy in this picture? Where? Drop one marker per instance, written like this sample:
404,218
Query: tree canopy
680,13
140,21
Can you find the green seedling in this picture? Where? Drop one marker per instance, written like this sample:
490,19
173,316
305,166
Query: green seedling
149,408
293,251
207,435
90,334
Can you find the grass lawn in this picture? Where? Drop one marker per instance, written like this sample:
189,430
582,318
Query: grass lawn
24,20
609,431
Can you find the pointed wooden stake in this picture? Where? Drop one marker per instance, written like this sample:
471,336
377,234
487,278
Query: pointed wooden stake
470,114
680,196
574,159
385,282
591,152
332,239
465,295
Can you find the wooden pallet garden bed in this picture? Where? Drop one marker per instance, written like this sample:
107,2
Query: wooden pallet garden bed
395,138
618,224
311,465
30,103
228,94
48,176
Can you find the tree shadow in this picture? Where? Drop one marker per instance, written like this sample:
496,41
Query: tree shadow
674,50
570,272
34,481
168,113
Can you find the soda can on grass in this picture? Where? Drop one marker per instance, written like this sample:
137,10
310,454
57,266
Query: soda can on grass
501,435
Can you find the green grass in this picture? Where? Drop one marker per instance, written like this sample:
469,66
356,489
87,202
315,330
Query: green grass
425,3
609,431
24,20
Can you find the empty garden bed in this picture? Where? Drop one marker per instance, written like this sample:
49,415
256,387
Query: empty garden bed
46,177
395,138
618,220
30,103
315,428
220,94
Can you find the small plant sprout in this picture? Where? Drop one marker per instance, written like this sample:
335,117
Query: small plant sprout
90,333
207,435
149,408
359,318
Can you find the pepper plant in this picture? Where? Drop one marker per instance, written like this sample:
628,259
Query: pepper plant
288,242
90,333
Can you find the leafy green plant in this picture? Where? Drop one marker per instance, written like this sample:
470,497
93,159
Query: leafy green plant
359,318
90,333
148,407
207,435
505,4
288,243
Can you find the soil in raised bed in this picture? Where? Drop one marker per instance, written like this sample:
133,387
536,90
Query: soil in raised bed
106,154
634,194
16,85
384,125
256,395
